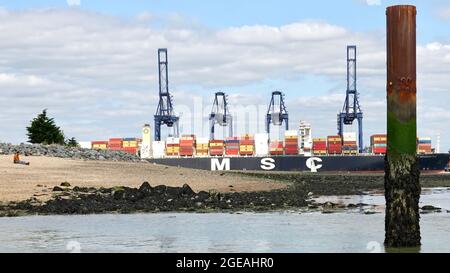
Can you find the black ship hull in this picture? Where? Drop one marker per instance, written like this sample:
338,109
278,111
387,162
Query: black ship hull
363,163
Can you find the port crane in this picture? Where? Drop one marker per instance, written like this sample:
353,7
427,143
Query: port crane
164,113
277,113
351,110
220,114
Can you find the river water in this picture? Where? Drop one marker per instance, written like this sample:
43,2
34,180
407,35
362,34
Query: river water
293,231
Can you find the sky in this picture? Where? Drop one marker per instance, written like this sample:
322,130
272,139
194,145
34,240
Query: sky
93,63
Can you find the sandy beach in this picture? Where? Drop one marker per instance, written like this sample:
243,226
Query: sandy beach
18,182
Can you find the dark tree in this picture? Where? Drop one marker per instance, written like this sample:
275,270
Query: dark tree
72,142
43,130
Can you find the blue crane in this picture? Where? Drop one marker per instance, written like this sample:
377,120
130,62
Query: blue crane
277,113
351,109
164,113
220,114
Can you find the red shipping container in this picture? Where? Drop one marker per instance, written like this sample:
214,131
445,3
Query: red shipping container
131,150
379,150
232,152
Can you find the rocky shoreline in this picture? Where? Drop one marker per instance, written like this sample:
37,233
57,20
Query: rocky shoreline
147,199
67,152
68,200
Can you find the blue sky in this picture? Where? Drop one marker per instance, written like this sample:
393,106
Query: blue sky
102,54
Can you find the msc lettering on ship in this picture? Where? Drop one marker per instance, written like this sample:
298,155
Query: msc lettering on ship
268,164
217,165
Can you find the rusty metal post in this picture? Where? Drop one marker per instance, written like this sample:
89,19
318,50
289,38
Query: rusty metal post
402,185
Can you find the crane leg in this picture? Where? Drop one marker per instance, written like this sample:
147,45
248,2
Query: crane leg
360,133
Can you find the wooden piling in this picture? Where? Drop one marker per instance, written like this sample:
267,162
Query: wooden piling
402,186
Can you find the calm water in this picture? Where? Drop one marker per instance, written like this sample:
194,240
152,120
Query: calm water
248,232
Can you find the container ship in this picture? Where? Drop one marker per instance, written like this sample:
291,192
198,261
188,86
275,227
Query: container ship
296,153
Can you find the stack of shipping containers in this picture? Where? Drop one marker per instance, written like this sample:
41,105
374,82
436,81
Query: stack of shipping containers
291,142
261,144
159,149
216,147
350,146
187,145
334,144
115,144
247,145
130,145
173,146
232,146
378,144
320,146
276,147
201,147
99,145
424,145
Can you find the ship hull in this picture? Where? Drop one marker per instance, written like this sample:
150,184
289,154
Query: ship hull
371,163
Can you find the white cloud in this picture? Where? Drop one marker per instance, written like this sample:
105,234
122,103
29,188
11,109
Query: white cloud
444,13
373,2
73,2
145,16
97,74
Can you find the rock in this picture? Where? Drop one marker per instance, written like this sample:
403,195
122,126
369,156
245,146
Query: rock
202,196
430,208
187,190
119,194
369,212
65,184
145,188
328,211
66,152
56,188
160,189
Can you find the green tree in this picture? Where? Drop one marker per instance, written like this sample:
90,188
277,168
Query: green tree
72,142
43,130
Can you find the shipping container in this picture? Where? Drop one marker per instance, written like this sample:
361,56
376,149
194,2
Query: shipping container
291,142
216,147
115,144
276,147
291,133
319,146
350,136
232,145
99,145
159,149
247,145
202,147
130,142
130,150
187,145
262,144
334,145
